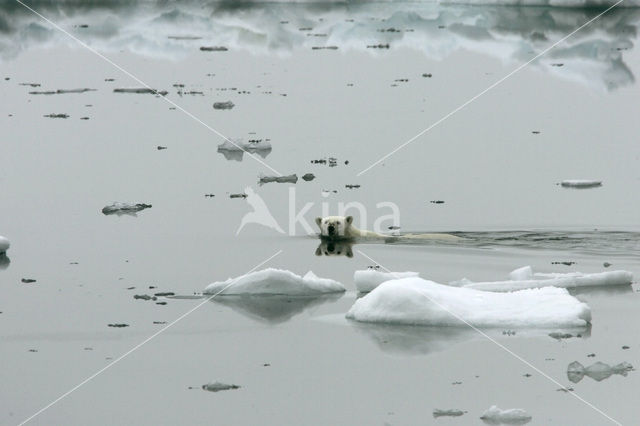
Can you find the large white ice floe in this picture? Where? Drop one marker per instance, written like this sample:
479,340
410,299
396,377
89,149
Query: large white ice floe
524,278
415,301
4,244
512,416
275,281
368,279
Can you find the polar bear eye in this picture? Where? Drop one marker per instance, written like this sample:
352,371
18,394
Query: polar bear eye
338,222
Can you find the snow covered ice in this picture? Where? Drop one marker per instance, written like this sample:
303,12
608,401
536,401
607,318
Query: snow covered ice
524,278
4,244
415,301
275,281
512,416
368,279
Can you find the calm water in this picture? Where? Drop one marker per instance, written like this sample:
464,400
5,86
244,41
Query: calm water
497,178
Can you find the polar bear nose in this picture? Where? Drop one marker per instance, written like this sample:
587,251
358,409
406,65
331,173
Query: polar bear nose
331,229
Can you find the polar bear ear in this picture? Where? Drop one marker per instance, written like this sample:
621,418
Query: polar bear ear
349,220
318,220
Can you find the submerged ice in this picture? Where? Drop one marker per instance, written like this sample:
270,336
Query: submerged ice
272,281
415,301
597,371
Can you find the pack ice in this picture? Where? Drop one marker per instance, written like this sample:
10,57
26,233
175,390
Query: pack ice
275,281
368,279
4,244
524,278
415,301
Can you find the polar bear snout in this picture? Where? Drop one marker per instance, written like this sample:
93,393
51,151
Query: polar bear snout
338,227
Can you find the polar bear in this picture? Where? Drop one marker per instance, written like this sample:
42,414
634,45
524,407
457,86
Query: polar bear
341,228
335,248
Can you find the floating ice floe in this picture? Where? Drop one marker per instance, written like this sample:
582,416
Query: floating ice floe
279,179
275,281
217,387
4,244
415,301
447,413
60,91
141,91
512,416
580,183
124,208
524,278
598,371
368,279
223,105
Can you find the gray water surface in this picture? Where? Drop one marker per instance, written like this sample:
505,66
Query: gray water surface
299,361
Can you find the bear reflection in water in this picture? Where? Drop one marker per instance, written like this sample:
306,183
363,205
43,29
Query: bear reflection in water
334,248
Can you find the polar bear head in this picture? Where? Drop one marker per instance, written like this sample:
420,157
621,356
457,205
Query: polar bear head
335,226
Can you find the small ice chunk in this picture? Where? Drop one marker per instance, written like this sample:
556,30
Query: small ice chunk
523,279
213,49
368,279
524,273
124,208
275,281
4,244
580,183
512,416
217,387
415,301
447,413
223,105
279,179
141,90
